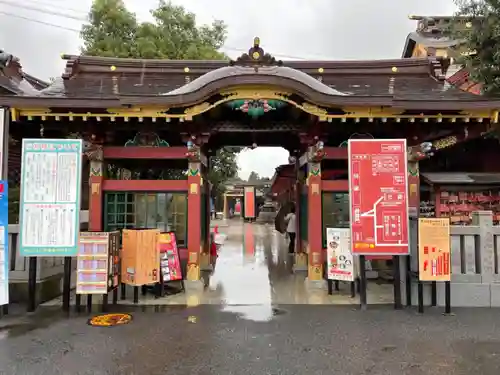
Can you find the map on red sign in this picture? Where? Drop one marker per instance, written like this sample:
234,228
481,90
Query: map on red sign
378,180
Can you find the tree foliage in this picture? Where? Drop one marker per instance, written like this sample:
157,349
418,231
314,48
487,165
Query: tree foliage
114,31
477,28
223,167
253,177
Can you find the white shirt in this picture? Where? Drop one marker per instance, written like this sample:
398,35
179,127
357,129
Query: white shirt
291,226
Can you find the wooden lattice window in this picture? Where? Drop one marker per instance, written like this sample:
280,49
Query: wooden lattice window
163,211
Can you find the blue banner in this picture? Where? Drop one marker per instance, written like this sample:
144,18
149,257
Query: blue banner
49,215
4,243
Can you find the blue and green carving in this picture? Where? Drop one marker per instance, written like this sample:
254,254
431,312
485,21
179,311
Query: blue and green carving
256,108
194,169
146,139
96,168
413,169
314,170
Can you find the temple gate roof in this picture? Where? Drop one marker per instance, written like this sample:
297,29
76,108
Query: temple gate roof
407,83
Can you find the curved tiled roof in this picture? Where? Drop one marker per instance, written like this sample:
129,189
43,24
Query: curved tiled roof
416,83
249,74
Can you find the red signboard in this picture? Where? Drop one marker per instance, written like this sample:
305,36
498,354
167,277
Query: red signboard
249,203
378,181
169,257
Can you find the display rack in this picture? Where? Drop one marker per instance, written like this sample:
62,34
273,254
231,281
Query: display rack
98,263
459,205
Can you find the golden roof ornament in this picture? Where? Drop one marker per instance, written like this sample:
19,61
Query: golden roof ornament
256,57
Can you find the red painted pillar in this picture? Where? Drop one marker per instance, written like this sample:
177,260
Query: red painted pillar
96,196
194,221
314,227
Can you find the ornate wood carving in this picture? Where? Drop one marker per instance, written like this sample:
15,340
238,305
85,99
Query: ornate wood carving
146,139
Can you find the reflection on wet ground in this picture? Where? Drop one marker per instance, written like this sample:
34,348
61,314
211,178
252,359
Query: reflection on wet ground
253,274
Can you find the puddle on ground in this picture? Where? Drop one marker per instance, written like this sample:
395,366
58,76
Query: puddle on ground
256,313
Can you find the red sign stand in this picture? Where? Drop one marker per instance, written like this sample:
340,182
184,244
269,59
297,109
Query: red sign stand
378,182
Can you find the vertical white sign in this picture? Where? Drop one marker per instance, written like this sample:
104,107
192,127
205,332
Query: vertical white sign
50,197
4,220
340,259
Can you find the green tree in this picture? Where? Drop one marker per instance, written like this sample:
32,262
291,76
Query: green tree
223,167
477,29
253,177
113,31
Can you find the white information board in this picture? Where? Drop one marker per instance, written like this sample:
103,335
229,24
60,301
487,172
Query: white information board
339,254
50,197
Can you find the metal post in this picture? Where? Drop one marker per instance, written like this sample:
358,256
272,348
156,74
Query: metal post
66,284
78,302
136,294
105,302
337,285
330,287
32,284
447,297
123,288
362,282
397,282
353,289
89,303
408,281
434,293
420,297
115,296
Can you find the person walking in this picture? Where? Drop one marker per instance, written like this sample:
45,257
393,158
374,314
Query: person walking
291,227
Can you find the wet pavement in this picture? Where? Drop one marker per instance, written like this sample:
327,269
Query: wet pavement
296,339
255,317
254,268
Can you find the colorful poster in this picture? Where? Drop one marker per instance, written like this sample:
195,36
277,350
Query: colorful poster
340,259
114,261
378,180
92,263
50,197
169,257
4,243
434,250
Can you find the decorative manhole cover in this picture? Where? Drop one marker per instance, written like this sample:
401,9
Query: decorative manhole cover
110,320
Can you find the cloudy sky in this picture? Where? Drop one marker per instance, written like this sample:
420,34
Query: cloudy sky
313,29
